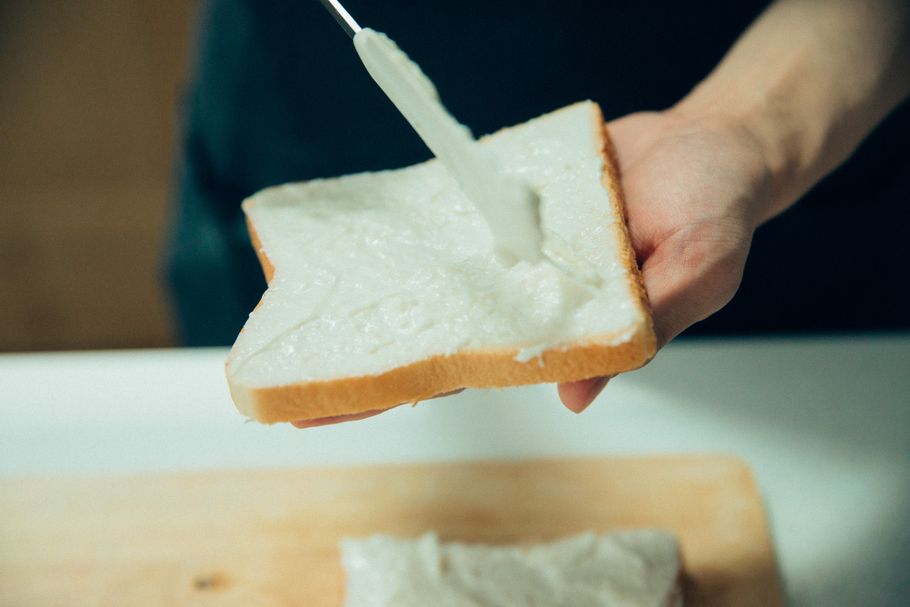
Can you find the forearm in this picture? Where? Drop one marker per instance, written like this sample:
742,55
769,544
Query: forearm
807,81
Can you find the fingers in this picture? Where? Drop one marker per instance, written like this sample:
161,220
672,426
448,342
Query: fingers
337,419
577,395
450,393
688,277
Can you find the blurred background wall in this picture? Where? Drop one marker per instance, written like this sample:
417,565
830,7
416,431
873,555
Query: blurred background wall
89,91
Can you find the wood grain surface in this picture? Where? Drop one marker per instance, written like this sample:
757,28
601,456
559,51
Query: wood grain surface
269,537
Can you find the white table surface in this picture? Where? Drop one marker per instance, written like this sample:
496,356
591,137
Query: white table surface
824,423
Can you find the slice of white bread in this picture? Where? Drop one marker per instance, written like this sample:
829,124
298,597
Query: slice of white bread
386,287
629,568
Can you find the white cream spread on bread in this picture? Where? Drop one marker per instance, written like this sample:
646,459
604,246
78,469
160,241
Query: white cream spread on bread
637,568
508,205
379,270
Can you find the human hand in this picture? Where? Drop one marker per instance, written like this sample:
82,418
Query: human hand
695,189
781,110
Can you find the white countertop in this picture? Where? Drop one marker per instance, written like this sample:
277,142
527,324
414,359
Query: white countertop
824,423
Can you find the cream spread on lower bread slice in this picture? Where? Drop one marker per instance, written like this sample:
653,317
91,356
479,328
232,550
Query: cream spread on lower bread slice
635,568
380,270
506,202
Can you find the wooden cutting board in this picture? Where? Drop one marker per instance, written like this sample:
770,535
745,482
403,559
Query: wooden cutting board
268,538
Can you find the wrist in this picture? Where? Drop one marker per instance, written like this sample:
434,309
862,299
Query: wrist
757,149
767,126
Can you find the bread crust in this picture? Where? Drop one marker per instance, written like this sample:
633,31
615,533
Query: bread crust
612,180
601,355
267,268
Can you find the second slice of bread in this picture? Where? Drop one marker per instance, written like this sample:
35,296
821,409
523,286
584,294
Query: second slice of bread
386,287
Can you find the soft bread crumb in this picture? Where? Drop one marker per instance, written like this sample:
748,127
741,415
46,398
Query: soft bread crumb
636,568
370,357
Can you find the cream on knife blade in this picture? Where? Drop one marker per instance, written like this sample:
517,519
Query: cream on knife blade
508,205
